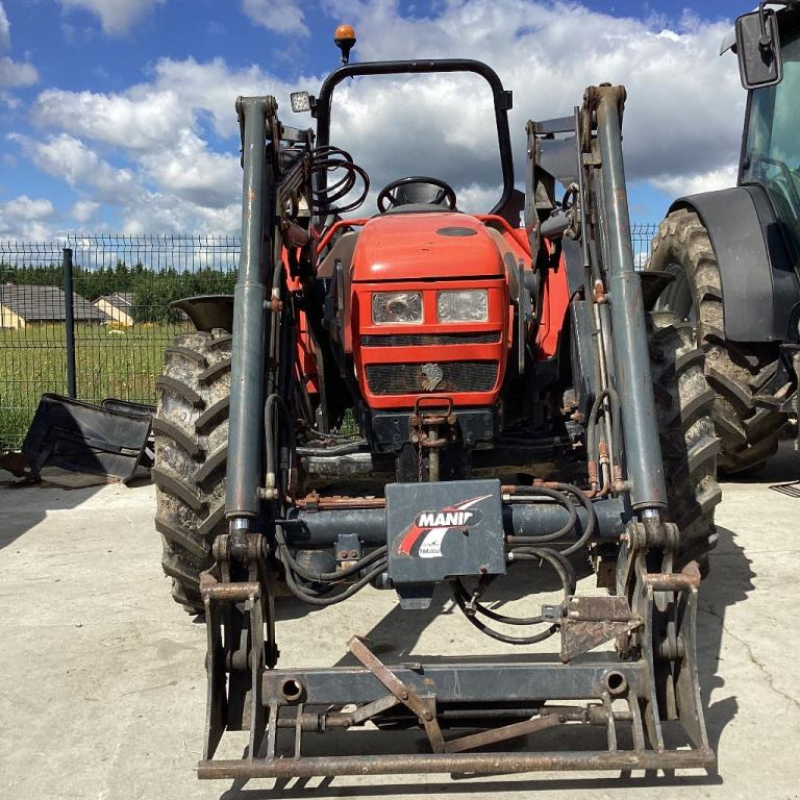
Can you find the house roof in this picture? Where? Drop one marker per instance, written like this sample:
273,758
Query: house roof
43,303
123,301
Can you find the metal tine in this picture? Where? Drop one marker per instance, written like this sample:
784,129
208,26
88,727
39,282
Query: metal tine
272,731
636,723
298,731
611,728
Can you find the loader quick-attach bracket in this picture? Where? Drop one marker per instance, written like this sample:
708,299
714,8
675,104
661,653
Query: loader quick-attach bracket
504,701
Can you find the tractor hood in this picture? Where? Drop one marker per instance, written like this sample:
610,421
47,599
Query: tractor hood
428,245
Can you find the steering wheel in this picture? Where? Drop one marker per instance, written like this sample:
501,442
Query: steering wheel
387,195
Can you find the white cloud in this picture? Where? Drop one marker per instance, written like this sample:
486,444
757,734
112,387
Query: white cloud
139,120
27,208
161,213
17,73
116,16
684,102
12,73
682,119
680,185
178,180
26,218
66,157
193,173
84,210
281,16
5,29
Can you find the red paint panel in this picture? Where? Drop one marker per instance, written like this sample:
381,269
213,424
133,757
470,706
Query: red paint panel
402,247
554,311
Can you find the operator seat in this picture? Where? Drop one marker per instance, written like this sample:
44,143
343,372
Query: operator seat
415,198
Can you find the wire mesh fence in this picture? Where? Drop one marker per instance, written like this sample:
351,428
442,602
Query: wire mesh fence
122,288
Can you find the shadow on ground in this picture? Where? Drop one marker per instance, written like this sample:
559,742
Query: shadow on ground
783,467
24,504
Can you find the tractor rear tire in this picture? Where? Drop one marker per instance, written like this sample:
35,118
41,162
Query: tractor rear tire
689,444
736,372
191,445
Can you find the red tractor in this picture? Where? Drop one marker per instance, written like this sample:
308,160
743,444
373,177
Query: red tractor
423,396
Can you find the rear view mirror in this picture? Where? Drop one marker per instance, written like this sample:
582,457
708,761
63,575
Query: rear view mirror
758,47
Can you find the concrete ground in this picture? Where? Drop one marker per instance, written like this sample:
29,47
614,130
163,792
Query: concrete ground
103,688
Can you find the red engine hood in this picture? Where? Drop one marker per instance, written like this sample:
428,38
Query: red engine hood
423,245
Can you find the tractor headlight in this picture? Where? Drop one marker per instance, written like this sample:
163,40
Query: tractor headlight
396,308
465,305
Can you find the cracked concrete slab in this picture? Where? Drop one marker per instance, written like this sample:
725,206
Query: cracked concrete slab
104,687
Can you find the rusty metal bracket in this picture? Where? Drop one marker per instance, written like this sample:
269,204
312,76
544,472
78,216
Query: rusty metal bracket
497,735
424,708
592,621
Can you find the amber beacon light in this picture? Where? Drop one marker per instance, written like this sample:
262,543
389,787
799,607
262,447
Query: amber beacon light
345,39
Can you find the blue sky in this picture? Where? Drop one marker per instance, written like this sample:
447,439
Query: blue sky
118,114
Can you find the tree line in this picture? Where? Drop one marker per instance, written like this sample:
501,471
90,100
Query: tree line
152,290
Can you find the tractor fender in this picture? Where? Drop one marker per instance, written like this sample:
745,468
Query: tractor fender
760,289
207,311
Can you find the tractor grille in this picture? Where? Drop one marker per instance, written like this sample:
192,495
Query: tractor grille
430,339
459,376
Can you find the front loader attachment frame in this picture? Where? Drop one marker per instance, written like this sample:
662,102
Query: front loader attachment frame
636,695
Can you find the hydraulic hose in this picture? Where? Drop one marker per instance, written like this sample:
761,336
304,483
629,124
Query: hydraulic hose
288,559
616,426
329,159
558,492
562,500
472,608
271,436
320,600
591,518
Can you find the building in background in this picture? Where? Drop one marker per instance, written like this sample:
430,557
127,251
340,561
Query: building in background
117,307
21,306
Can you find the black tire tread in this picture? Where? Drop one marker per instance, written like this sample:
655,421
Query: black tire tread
191,432
180,389
689,444
736,372
214,371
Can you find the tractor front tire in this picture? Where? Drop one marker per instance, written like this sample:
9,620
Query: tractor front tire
190,427
689,445
736,372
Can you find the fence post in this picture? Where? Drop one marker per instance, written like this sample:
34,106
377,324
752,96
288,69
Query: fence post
69,321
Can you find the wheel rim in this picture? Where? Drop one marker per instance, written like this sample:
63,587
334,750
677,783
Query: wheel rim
678,297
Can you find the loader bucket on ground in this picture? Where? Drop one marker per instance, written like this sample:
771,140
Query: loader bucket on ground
111,439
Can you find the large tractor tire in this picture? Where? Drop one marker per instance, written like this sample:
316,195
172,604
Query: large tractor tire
737,372
191,447
689,444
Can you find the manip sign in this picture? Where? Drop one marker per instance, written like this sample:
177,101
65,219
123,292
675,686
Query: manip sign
432,538
424,538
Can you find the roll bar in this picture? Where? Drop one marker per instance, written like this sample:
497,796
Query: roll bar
502,102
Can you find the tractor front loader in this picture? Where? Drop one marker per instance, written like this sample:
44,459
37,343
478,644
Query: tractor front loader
351,420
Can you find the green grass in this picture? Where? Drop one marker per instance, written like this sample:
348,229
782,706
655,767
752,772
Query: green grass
109,362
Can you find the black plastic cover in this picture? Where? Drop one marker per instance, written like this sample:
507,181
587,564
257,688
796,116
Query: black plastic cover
82,437
760,287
